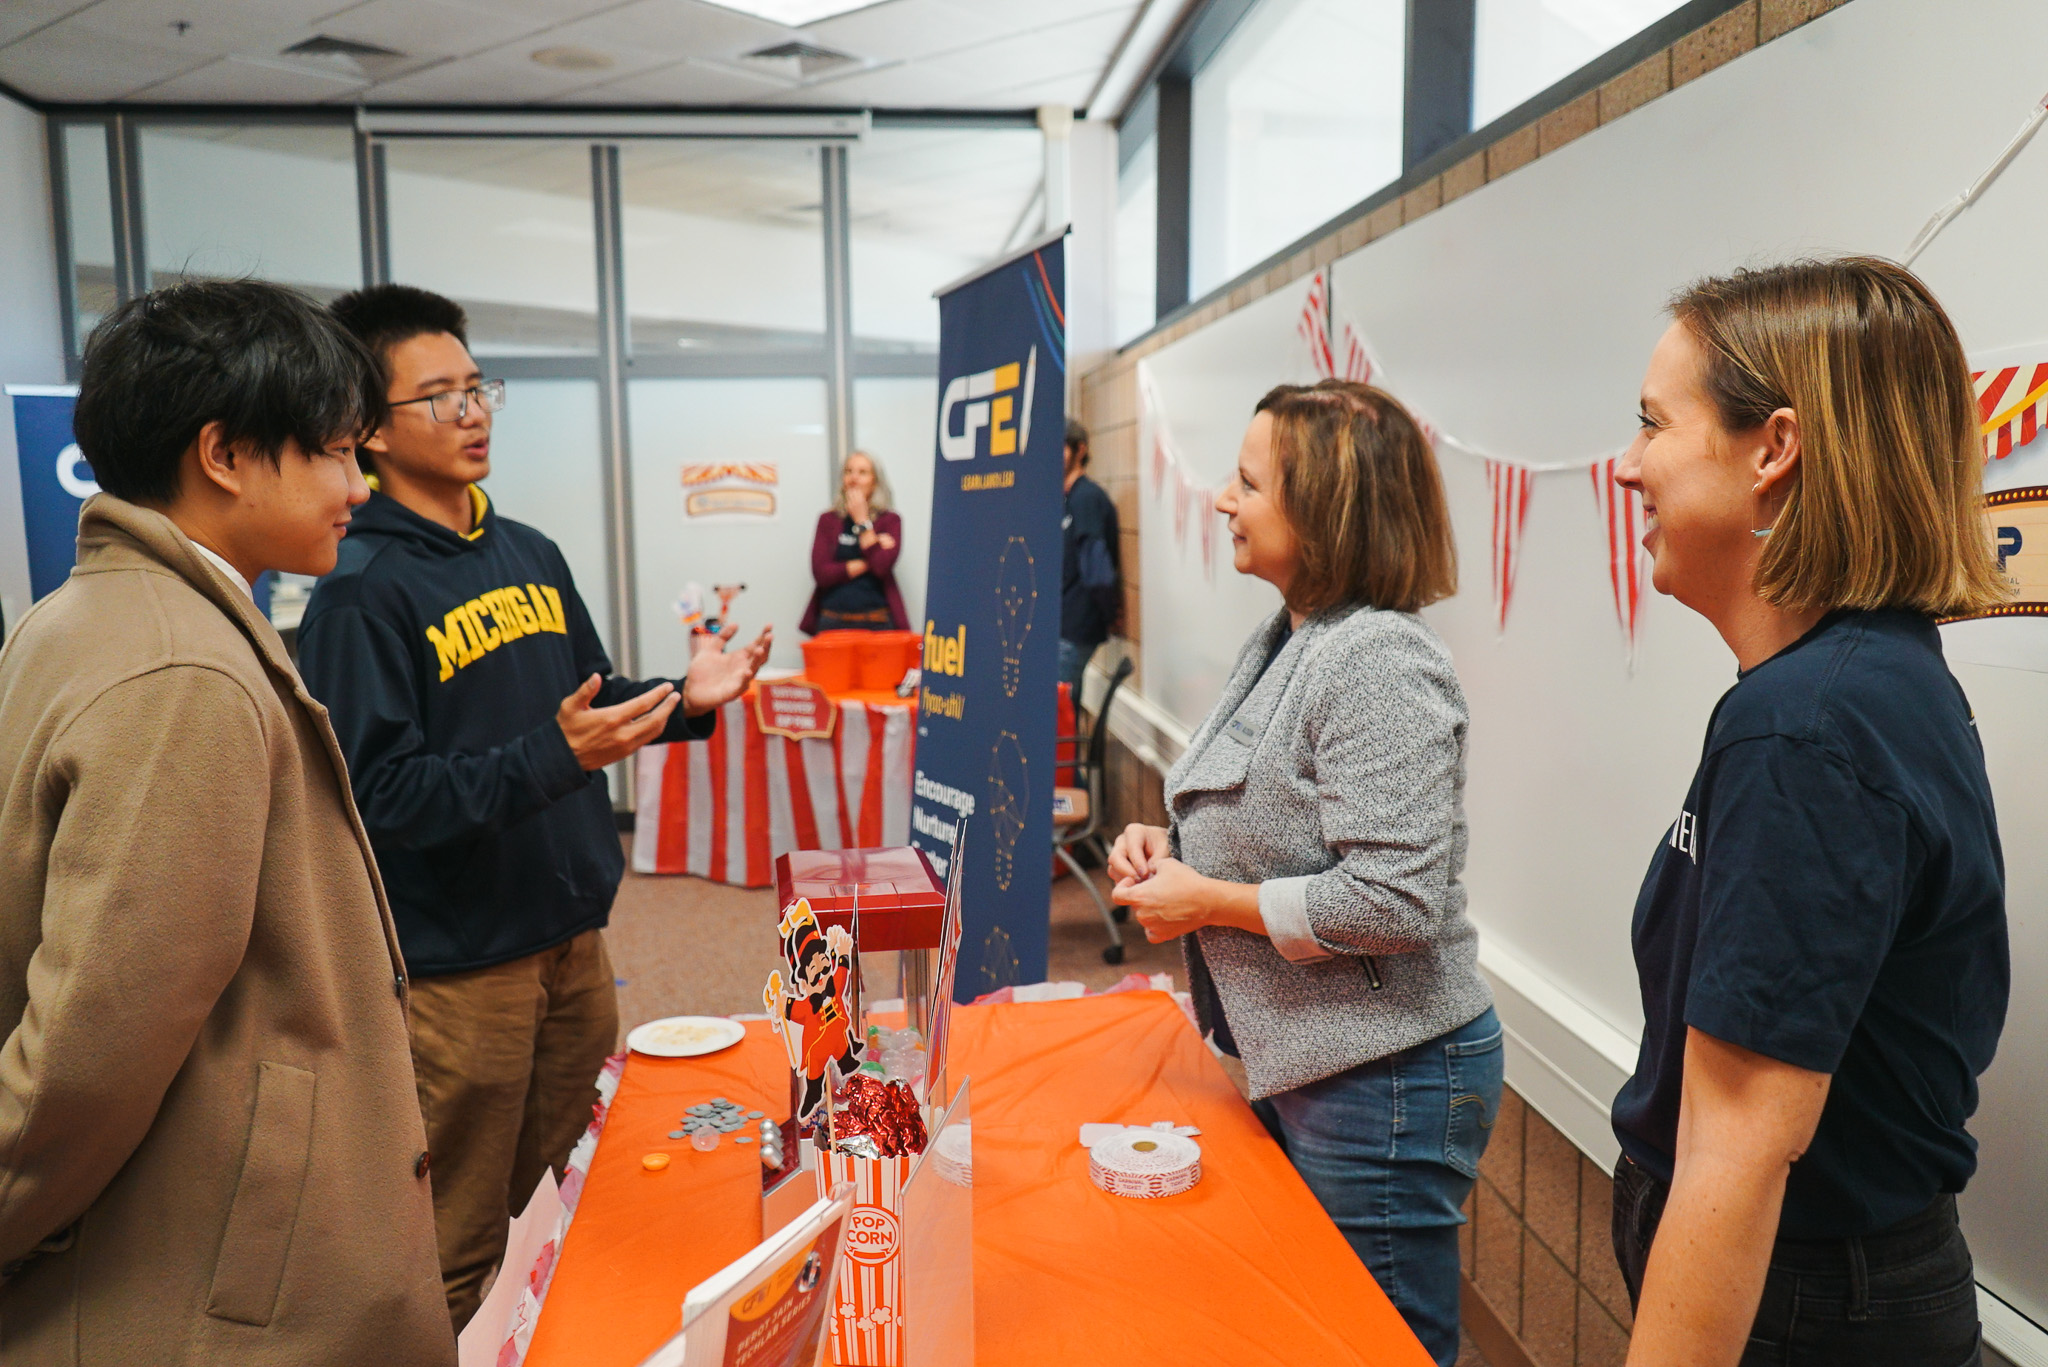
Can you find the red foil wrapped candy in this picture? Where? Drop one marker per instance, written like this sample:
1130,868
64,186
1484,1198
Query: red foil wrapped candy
883,1112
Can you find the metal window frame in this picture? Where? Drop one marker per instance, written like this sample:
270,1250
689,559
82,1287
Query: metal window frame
1207,26
838,361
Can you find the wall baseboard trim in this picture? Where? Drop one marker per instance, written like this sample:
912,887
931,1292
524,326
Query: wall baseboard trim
1487,1330
1562,1057
2010,1332
1143,727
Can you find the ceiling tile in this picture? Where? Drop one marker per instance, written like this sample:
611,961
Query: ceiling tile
428,28
674,29
21,17
66,62
1069,89
507,75
212,27
1046,12
911,85
910,29
239,80
686,83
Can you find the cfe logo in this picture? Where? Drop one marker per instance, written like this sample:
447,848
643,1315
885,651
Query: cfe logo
988,400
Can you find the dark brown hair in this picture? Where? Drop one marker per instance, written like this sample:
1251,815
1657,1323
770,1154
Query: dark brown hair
1358,483
1887,509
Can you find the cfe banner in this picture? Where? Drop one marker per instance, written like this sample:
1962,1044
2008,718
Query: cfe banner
992,612
55,481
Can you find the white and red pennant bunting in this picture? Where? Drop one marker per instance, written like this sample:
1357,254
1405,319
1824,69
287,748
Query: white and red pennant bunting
1194,503
1509,487
2012,409
1621,515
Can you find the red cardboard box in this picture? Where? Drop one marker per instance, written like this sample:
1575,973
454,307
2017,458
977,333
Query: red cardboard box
902,899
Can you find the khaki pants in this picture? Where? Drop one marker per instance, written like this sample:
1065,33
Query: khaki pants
507,1059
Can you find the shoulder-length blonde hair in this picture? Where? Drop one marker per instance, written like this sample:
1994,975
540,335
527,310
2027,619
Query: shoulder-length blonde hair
881,501
1887,509
1359,485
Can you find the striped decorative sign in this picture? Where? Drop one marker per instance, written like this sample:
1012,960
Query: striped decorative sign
2012,405
724,808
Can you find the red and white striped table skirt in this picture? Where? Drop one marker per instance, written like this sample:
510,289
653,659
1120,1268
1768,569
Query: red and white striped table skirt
724,808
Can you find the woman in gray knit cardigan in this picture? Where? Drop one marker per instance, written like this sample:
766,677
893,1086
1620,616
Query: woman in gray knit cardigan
1318,836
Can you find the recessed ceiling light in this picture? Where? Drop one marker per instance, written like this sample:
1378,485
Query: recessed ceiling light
795,13
571,58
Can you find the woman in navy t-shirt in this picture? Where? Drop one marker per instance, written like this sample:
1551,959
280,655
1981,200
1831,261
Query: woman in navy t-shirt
1821,937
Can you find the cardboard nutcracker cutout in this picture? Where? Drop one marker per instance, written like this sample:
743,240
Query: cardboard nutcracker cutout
811,1008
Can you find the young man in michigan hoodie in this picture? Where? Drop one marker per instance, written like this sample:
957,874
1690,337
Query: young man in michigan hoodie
478,711
210,1146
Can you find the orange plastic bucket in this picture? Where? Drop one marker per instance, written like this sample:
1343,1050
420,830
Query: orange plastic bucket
885,656
830,659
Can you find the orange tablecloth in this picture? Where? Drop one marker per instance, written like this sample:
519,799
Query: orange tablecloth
1243,1270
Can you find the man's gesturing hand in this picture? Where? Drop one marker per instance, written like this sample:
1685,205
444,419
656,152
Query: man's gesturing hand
602,736
717,676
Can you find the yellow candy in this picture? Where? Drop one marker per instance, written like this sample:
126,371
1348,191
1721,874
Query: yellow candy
654,1162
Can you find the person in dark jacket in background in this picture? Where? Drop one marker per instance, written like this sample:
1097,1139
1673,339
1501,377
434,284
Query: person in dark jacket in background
853,556
478,711
1091,568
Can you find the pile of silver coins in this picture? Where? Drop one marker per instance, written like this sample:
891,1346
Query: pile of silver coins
771,1146
707,1122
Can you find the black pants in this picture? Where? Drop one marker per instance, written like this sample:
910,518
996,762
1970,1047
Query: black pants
1903,1297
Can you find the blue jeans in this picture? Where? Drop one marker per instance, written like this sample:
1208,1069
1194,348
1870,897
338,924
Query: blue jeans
1073,663
1391,1149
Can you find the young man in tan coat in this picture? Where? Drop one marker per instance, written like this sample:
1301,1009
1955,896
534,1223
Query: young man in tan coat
210,1147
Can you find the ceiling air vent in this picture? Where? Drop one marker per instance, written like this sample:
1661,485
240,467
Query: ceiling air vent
803,59
344,54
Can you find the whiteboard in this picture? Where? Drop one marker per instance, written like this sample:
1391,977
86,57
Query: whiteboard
1519,319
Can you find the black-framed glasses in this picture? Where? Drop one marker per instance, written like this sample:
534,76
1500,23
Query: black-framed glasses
452,405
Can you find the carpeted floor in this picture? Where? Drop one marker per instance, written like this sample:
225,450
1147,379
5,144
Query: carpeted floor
684,946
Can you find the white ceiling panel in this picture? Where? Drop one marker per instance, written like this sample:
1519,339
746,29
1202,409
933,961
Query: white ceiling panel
1044,12
238,80
911,85
913,53
913,28
66,62
428,28
674,29
220,27
686,83
19,18
484,78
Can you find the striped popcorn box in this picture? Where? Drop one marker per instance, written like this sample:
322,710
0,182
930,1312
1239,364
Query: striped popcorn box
867,1330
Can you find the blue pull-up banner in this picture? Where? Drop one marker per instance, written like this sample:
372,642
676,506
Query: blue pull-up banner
986,719
55,483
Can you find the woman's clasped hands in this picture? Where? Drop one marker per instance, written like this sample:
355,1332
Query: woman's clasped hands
1168,898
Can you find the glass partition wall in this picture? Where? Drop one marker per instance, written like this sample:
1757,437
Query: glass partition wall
714,352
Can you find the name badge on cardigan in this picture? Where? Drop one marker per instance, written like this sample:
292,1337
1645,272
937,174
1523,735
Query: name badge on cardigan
1243,732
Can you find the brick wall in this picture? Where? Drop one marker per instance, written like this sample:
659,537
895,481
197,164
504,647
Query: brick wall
1537,1254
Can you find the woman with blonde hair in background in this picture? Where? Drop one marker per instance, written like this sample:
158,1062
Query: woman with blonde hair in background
1318,838
853,555
1821,937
